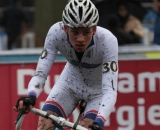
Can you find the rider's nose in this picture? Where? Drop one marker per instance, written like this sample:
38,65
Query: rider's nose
80,37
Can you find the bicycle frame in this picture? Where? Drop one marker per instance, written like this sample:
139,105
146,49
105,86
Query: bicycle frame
59,120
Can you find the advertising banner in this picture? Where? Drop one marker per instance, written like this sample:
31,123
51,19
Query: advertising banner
137,106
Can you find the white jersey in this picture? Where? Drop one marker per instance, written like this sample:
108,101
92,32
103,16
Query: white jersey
99,65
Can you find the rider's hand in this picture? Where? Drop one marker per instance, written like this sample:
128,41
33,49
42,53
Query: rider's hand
95,126
25,104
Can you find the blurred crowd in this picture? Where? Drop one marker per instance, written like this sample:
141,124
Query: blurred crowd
16,30
130,24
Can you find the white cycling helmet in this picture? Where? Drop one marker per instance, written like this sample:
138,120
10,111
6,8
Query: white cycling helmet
80,13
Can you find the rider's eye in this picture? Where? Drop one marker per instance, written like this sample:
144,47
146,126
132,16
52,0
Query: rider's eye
74,32
86,33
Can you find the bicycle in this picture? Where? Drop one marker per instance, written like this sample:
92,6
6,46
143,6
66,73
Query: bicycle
59,122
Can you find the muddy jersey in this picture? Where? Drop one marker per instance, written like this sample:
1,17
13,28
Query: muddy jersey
98,65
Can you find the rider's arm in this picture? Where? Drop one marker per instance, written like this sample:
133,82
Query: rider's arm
109,80
44,65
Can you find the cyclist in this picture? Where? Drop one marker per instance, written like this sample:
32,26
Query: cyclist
90,73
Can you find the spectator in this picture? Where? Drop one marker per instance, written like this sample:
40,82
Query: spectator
113,24
156,39
3,40
129,22
12,19
150,18
149,22
28,38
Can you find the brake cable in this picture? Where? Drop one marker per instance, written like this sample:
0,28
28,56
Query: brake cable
82,105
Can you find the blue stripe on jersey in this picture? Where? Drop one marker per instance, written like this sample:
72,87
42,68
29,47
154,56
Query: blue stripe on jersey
32,94
91,116
100,121
84,65
53,108
92,43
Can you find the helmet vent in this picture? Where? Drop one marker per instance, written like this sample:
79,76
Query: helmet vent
88,8
85,3
89,16
65,20
95,20
65,12
80,13
75,3
73,18
71,7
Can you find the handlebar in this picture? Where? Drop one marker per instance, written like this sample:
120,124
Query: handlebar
59,120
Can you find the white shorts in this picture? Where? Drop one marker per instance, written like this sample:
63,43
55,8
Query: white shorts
69,90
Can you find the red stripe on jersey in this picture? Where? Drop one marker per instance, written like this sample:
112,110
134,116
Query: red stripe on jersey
57,105
102,118
92,111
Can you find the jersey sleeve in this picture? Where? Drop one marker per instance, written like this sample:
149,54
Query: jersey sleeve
109,80
44,64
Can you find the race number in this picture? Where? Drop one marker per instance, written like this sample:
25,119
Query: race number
109,67
43,54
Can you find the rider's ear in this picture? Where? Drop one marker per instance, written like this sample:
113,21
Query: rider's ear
65,28
94,29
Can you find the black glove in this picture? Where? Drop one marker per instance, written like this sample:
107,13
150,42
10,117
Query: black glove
27,101
95,126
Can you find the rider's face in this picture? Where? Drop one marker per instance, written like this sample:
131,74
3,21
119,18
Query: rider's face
80,37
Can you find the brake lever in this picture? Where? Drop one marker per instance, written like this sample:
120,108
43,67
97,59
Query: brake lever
20,114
